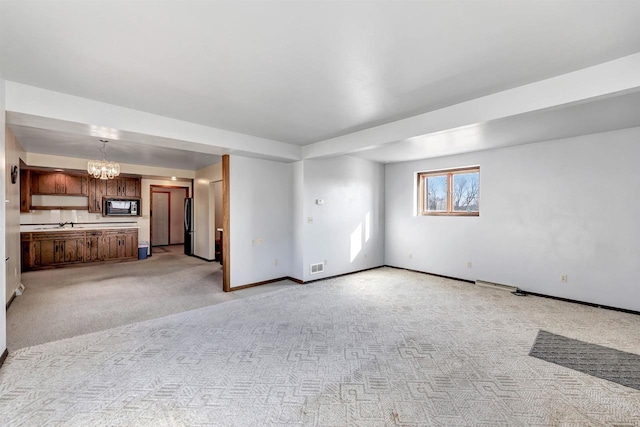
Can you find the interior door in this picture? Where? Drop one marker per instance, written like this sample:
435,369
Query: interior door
160,219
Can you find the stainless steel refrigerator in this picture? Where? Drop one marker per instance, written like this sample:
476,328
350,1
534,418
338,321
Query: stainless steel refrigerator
189,233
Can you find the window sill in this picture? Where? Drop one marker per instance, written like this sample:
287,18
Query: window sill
450,213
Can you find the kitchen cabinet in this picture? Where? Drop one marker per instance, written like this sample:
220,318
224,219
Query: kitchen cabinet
25,190
51,249
130,244
42,250
41,182
97,190
124,187
121,244
94,248
58,183
76,185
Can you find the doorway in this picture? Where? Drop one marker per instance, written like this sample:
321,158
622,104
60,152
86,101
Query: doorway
160,222
216,195
167,215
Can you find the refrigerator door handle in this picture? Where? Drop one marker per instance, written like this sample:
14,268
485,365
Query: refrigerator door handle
186,217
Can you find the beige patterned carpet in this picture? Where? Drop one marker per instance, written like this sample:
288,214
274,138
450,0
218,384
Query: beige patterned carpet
380,348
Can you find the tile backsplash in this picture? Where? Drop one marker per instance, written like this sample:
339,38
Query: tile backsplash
55,216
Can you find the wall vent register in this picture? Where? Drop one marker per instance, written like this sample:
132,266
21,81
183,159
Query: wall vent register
316,268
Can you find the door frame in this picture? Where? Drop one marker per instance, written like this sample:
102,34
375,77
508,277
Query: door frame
226,229
158,189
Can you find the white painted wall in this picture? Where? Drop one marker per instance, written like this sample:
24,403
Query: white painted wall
260,208
547,209
205,210
14,152
273,201
216,187
348,229
3,278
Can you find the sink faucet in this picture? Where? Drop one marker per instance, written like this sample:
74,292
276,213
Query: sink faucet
62,224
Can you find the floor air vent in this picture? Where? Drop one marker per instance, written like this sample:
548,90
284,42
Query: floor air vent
316,268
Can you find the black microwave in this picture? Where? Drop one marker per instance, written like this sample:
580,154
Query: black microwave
121,207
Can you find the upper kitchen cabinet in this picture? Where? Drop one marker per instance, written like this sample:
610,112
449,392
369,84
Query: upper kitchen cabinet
120,187
25,190
97,190
46,183
124,187
37,181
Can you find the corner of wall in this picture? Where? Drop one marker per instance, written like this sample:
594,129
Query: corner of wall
3,284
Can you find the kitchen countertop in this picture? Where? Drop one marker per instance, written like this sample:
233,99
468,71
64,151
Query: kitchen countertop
41,228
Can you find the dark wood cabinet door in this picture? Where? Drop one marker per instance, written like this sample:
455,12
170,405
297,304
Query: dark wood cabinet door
101,191
44,254
25,190
112,245
130,240
75,184
73,250
94,247
61,183
97,190
113,187
131,187
46,183
58,251
92,195
27,255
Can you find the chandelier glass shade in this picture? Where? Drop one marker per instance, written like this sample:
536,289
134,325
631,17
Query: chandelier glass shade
103,169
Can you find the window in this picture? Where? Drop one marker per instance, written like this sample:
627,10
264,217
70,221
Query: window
450,192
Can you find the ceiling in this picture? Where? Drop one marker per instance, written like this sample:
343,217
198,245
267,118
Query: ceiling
298,72
59,143
617,111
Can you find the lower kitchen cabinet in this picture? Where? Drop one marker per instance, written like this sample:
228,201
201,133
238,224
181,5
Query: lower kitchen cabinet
61,248
94,248
121,244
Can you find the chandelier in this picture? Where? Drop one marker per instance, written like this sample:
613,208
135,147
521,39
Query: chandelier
103,169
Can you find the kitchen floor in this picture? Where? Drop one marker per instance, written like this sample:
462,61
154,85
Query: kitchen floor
67,302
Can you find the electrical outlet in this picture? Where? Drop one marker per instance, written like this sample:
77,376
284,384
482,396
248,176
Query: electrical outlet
563,278
469,265
326,262
410,256
260,241
276,262
310,220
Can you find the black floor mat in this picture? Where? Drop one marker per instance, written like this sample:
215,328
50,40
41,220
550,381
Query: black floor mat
602,362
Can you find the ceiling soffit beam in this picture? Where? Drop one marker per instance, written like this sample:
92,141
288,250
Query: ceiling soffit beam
615,76
43,103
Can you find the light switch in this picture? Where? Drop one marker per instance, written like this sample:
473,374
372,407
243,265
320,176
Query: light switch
319,201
